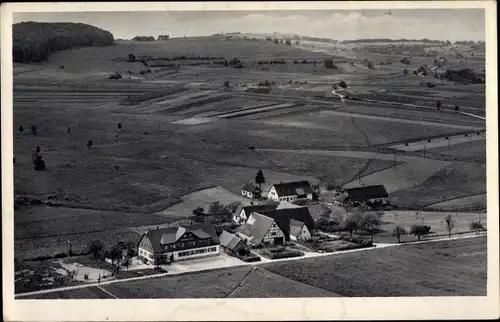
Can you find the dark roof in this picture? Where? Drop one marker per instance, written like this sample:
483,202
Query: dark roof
283,217
259,208
258,229
293,188
169,235
228,240
250,187
366,193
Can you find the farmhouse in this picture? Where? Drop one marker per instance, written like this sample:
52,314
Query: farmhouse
290,191
299,231
369,194
260,230
283,218
251,191
230,243
178,243
241,214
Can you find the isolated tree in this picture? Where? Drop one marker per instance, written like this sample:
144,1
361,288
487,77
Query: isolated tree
259,178
420,230
353,222
226,84
370,65
405,71
438,104
288,42
96,248
476,226
450,224
89,144
119,126
329,63
456,108
34,131
398,231
131,58
115,253
343,84
21,129
371,224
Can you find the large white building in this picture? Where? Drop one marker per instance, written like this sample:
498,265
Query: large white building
178,243
290,191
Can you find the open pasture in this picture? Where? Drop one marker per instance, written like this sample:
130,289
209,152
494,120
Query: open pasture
436,220
191,285
459,179
474,150
50,246
42,221
476,202
447,268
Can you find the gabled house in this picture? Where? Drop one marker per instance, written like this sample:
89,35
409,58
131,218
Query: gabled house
242,213
178,243
290,191
260,230
299,231
368,194
251,191
230,243
283,218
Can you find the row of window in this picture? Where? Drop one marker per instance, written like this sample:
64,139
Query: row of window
145,254
187,244
197,251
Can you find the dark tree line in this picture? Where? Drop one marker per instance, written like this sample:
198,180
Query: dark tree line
34,41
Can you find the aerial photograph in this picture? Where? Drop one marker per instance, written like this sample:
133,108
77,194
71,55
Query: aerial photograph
249,154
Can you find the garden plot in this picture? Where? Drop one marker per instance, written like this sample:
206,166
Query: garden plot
447,268
256,110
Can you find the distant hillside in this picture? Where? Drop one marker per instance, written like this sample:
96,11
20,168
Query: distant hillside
34,41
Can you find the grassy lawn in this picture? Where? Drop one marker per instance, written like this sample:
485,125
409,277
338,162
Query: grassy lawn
212,284
264,284
448,268
460,179
49,246
475,150
407,219
88,293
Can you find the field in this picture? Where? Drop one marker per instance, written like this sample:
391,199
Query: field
448,268
172,149
445,268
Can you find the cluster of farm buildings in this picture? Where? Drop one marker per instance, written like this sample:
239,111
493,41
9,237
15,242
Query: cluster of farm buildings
258,225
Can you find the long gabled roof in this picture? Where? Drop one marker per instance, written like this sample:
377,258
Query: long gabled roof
293,188
283,217
367,193
250,187
258,229
228,240
259,208
170,235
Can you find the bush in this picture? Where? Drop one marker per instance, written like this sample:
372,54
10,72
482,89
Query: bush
405,61
286,253
343,84
143,38
34,41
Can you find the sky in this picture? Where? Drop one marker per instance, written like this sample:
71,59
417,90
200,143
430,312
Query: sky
436,24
